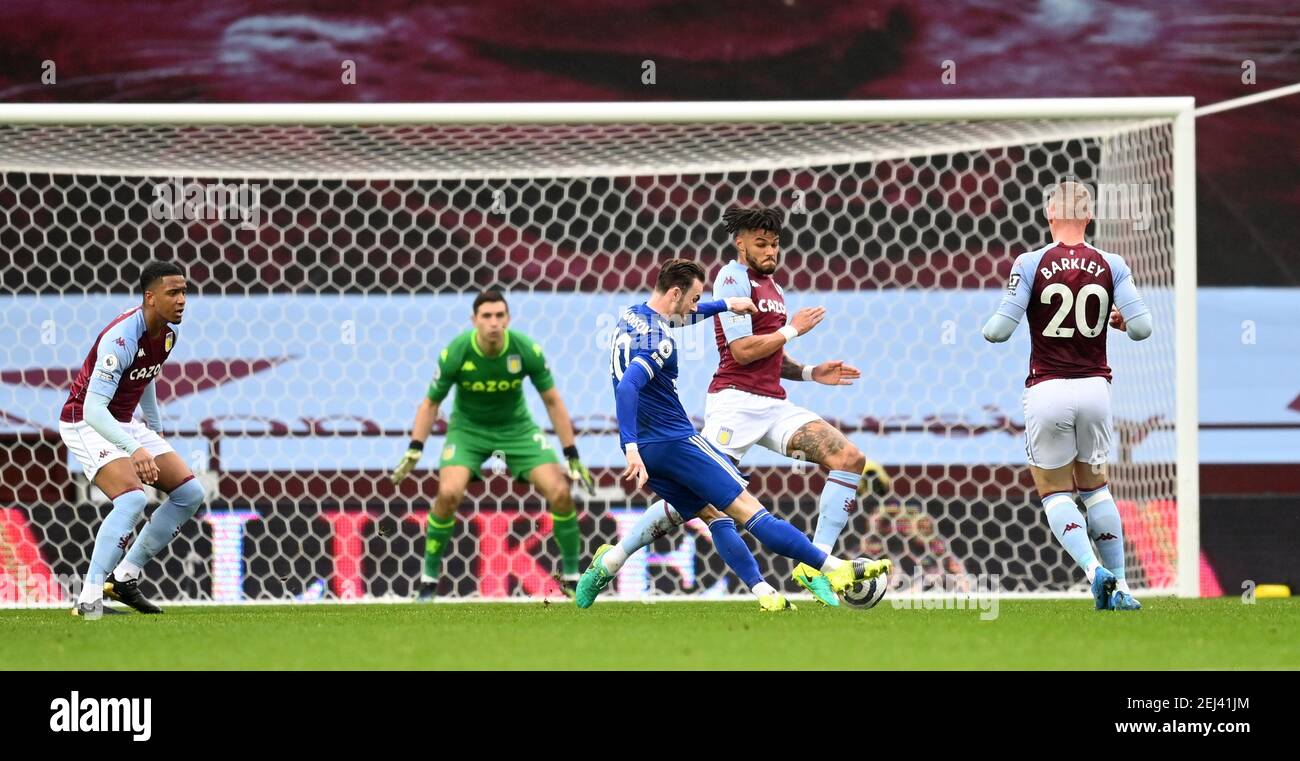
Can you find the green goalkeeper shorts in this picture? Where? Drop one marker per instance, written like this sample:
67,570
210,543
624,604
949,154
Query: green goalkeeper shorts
523,447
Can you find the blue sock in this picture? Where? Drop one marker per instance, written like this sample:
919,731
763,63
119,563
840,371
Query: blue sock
735,552
783,539
165,523
1068,525
658,520
839,498
110,541
1106,529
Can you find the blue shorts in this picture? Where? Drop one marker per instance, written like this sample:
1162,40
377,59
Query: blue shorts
691,473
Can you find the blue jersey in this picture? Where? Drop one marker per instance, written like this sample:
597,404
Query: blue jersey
644,346
682,467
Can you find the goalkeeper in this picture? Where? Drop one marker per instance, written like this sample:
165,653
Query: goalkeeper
486,365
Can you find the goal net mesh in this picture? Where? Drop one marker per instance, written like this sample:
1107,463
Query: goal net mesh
329,265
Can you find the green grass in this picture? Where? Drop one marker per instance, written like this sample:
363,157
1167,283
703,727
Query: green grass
1168,634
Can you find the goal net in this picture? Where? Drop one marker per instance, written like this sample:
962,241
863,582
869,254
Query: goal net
332,252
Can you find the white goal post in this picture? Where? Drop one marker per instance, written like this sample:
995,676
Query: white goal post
333,250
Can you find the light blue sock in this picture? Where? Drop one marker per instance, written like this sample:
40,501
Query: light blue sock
1068,525
735,553
658,520
165,524
839,498
1105,528
110,541
783,539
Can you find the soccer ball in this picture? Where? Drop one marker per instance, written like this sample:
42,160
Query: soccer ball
865,595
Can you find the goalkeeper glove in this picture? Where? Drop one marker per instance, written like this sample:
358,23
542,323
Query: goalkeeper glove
578,471
407,462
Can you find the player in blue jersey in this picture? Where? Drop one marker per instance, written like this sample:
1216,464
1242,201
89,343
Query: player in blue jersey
747,406
120,453
664,450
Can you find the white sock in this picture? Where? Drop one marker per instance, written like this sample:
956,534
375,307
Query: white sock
1067,525
427,579
90,591
1122,586
831,564
126,571
763,588
660,519
614,559
826,548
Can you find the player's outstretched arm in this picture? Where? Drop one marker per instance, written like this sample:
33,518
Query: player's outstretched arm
562,424
832,373
751,348
425,416
741,305
835,373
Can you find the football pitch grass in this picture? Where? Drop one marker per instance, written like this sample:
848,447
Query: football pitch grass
1027,634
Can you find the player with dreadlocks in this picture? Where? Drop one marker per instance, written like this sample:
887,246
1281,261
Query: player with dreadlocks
747,405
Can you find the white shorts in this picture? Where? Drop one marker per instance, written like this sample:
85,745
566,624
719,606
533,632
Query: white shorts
1068,420
736,420
94,451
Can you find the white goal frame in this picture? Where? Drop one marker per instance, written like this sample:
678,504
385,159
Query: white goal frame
1178,110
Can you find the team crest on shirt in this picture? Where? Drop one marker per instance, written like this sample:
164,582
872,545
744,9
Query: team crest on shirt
168,341
724,436
449,451
514,364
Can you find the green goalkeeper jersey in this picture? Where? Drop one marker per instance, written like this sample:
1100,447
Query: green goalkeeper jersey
489,390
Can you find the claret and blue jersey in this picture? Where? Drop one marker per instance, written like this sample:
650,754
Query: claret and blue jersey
121,364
